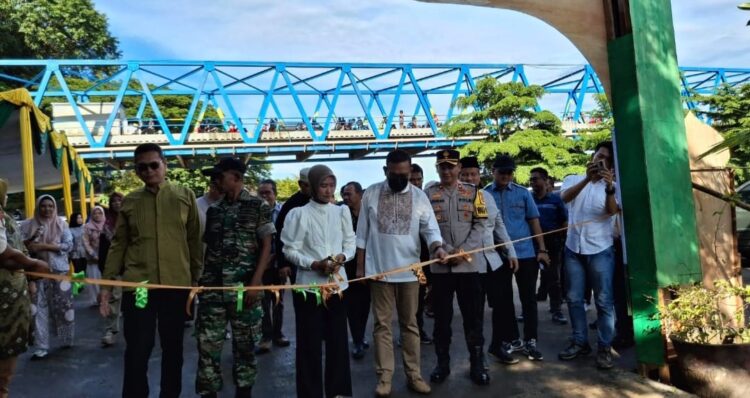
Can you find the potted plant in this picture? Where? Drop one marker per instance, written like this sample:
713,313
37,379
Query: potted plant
711,340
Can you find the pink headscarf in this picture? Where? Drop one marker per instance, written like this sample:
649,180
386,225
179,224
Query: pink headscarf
94,229
54,226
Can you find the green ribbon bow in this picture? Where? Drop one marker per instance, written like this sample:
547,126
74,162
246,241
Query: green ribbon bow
141,296
312,290
77,282
240,296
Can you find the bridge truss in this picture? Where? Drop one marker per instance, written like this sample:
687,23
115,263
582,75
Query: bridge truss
295,110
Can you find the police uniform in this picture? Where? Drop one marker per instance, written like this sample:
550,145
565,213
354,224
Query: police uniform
460,213
233,232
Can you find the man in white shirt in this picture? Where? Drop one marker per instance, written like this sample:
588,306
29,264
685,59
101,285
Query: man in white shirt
392,217
211,196
589,254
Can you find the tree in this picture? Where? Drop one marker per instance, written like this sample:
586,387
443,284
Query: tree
505,112
589,138
745,7
45,29
729,112
285,188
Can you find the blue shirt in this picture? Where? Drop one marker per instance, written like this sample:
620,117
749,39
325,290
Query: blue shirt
517,207
552,212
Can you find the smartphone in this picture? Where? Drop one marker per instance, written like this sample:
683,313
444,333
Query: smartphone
601,165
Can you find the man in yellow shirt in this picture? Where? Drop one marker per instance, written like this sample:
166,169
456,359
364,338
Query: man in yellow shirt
157,239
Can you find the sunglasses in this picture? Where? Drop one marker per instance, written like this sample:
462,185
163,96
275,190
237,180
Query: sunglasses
143,167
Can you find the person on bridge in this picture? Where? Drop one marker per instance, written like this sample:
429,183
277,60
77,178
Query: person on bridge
157,239
589,253
238,237
461,218
47,237
318,238
521,218
393,216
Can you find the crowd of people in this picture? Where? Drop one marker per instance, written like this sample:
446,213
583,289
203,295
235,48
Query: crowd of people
235,237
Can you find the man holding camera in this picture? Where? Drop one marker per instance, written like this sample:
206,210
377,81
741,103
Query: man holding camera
589,253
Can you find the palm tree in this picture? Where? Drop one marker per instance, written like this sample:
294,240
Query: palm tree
745,7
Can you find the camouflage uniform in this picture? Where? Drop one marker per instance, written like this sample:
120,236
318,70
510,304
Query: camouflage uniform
232,234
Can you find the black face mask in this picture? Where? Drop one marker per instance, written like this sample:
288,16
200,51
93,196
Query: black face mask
397,182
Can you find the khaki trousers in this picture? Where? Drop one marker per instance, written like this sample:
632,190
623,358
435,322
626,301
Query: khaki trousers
7,368
404,298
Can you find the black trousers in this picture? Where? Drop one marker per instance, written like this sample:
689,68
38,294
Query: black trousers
423,300
468,289
316,323
273,313
165,310
357,301
505,328
550,282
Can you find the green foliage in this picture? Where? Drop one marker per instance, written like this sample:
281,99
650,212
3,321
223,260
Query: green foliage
533,139
729,110
46,29
286,187
699,315
498,108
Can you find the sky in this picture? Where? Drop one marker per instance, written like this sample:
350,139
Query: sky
708,33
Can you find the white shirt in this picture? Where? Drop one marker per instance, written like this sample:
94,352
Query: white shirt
314,232
589,205
494,233
389,227
3,237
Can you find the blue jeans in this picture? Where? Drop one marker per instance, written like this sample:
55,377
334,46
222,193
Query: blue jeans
599,269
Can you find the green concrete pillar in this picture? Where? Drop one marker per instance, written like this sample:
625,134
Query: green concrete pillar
659,214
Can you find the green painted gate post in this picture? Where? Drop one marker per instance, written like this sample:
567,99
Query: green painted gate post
659,215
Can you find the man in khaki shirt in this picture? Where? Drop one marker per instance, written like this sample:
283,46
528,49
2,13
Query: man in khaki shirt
157,239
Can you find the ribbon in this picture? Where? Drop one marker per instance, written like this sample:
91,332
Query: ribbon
240,296
78,281
141,296
189,306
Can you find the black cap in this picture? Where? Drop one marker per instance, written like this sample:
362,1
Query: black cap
226,164
447,156
469,162
504,163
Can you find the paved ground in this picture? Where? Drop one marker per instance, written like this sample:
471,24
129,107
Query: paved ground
87,370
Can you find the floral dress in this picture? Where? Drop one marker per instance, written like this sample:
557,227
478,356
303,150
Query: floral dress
15,312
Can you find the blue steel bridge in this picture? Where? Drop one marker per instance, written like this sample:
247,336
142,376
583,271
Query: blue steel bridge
292,111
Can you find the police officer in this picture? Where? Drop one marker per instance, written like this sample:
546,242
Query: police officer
460,214
238,242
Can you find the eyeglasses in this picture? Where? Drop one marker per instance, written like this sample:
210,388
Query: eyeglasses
143,167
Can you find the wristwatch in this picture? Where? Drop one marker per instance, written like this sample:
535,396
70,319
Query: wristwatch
543,251
610,191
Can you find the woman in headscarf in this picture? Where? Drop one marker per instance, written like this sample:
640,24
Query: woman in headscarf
92,232
48,238
15,306
318,238
78,254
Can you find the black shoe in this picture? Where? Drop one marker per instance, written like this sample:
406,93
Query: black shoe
604,359
529,349
281,342
559,318
514,346
478,371
358,352
573,351
503,357
440,373
425,338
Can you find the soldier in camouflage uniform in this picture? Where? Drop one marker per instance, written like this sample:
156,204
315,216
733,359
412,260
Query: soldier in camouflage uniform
238,239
